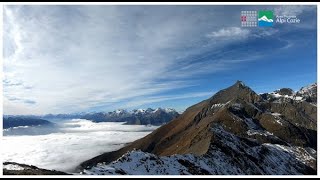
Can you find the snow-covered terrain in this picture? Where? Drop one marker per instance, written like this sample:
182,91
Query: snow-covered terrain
305,93
261,159
293,97
76,141
308,90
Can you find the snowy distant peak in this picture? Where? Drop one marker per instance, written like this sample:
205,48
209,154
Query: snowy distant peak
285,91
137,111
264,18
169,110
120,111
150,110
143,111
307,93
308,90
158,109
279,96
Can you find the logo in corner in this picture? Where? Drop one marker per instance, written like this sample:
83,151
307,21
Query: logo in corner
248,18
265,18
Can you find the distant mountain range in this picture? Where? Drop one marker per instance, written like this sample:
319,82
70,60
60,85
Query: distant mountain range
308,94
157,116
11,122
236,131
148,116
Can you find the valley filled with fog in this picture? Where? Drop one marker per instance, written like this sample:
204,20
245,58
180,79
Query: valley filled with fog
68,143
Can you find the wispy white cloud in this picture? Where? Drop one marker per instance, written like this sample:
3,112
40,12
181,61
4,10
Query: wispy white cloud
231,32
293,10
94,58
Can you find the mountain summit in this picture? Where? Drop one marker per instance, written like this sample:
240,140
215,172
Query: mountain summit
236,131
237,91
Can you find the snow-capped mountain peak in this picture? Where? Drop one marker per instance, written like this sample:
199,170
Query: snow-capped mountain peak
169,110
120,111
308,90
140,111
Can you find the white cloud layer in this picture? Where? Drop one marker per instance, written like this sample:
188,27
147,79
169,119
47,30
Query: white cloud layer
77,141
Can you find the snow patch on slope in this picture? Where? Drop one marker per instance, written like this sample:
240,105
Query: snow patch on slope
13,167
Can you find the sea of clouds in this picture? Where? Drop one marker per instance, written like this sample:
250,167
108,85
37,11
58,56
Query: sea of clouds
69,144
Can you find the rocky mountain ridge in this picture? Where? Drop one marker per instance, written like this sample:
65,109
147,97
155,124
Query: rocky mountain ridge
253,134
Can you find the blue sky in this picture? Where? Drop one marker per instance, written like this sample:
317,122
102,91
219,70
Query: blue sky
62,59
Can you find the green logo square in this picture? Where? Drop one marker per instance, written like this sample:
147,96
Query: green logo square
265,18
